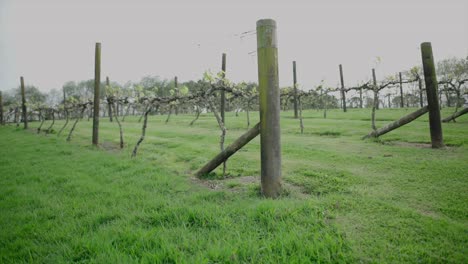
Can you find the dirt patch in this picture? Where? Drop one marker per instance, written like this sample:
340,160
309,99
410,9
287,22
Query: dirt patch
414,144
110,146
244,183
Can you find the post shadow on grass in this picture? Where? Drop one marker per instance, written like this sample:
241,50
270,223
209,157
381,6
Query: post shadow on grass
269,126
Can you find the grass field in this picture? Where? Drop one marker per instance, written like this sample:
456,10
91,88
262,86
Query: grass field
345,200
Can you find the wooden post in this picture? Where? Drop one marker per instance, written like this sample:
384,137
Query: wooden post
1,108
360,97
176,86
375,103
430,79
343,93
97,83
376,97
268,82
402,103
222,108
421,103
109,102
23,104
295,89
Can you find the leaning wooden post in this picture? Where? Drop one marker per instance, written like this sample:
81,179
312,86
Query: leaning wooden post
23,104
343,93
430,79
402,103
295,89
97,83
222,108
268,82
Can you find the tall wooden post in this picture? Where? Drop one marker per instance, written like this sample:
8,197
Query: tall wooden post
97,83
176,88
421,102
1,108
295,89
268,82
222,109
343,93
23,104
109,102
376,97
402,102
360,97
430,79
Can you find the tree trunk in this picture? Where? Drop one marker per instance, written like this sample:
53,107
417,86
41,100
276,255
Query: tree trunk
120,130
143,131
229,151
196,117
51,125
398,123
66,122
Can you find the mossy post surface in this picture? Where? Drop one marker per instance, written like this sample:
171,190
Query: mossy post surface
343,92
295,89
267,52
430,80
222,109
97,83
23,104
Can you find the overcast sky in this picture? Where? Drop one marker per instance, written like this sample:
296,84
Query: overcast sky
50,42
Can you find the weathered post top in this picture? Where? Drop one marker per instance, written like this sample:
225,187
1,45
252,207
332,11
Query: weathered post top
268,83
266,37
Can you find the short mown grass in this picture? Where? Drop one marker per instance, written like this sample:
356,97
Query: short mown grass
345,200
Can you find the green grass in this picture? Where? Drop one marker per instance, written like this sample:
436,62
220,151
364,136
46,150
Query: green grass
345,200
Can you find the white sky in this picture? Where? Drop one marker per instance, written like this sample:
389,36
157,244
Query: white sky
50,42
